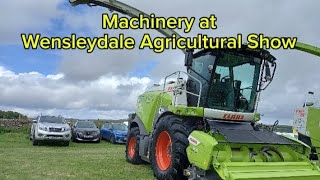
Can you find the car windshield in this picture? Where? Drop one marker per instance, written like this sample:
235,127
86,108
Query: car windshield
86,125
52,119
120,127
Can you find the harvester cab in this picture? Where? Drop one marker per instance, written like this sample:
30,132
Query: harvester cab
201,125
230,79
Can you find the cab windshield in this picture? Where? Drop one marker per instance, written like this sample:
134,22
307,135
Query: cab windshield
229,81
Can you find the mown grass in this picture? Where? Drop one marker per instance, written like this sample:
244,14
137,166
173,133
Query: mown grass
20,160
24,130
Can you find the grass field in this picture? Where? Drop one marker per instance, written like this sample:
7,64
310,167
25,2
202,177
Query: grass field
20,160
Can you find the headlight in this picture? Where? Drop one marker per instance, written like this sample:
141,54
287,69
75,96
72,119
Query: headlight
43,128
66,129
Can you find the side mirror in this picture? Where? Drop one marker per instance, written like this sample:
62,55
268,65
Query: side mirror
309,103
188,58
34,121
268,73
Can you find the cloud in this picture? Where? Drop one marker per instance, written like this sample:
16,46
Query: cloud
18,17
108,96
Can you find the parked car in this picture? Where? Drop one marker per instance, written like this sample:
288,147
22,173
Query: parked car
50,128
85,131
114,132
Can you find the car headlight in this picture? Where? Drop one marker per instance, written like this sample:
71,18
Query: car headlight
43,128
66,129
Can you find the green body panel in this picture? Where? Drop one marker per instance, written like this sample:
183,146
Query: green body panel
187,111
313,126
234,161
270,170
203,159
148,104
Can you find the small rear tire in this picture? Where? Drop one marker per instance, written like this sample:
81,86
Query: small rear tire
132,146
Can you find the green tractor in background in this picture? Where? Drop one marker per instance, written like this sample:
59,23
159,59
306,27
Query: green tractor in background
201,123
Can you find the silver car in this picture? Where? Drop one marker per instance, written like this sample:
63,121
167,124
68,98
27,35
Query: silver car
50,128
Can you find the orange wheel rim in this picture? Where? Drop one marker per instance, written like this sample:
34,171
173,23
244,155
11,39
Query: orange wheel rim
163,151
131,146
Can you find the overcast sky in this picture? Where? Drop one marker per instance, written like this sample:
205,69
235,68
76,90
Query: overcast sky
105,83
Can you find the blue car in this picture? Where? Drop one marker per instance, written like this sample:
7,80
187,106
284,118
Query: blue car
114,132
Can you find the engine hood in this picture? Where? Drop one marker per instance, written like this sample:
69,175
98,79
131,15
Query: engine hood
87,129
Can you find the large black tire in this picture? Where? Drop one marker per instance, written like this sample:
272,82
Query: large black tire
132,146
169,127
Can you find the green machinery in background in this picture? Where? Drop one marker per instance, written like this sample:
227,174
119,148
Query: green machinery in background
306,126
201,123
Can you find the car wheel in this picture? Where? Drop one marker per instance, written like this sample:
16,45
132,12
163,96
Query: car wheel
66,143
34,141
113,140
74,139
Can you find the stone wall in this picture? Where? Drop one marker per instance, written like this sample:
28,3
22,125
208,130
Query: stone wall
15,123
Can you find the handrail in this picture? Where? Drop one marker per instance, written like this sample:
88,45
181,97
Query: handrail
189,75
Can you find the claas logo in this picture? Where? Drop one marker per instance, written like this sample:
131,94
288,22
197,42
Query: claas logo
233,116
170,89
300,112
193,141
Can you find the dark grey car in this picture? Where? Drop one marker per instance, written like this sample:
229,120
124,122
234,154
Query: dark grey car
85,131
